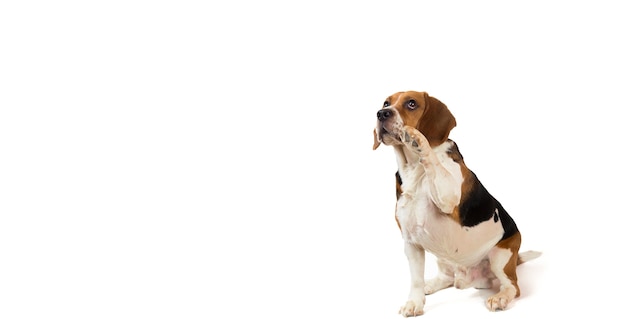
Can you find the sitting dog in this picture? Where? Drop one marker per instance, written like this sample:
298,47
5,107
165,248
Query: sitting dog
443,208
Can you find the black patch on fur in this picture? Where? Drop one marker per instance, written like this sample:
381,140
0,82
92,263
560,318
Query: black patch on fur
454,153
510,228
479,206
398,184
495,217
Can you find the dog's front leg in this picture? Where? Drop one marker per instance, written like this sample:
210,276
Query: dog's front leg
445,187
415,305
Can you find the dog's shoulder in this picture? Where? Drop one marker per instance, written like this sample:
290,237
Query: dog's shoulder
453,152
477,205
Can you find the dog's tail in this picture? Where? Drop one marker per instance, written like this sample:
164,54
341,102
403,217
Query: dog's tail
527,256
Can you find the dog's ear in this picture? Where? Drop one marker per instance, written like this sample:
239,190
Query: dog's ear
437,121
376,141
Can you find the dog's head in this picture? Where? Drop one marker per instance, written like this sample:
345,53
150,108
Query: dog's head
416,109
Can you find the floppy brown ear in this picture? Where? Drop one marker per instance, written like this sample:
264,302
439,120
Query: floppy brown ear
437,121
376,141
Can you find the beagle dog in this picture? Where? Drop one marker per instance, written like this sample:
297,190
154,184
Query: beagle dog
443,208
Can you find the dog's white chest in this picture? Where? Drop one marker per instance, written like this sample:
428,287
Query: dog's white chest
423,224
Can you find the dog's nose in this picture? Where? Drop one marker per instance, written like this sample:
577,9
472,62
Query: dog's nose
383,114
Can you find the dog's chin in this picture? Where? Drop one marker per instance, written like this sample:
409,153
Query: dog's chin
389,138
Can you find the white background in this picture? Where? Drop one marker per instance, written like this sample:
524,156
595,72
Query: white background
179,159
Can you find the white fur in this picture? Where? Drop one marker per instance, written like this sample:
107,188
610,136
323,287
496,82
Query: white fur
415,303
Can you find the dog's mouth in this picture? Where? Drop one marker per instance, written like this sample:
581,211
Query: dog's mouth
388,134
384,132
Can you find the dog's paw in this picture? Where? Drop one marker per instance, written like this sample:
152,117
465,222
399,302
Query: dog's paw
428,289
414,139
412,308
462,278
498,301
436,284
408,137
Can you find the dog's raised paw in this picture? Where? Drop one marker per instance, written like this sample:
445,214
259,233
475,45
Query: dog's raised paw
414,139
407,139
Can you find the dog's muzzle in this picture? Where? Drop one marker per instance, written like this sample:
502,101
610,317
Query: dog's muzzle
387,122
387,129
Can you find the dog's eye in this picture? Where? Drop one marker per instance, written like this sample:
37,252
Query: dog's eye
386,104
411,104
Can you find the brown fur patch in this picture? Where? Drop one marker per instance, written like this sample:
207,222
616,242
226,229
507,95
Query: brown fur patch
396,216
376,141
468,180
398,193
437,121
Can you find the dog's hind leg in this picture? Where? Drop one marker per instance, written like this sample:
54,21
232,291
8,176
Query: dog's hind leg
503,260
479,276
444,279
